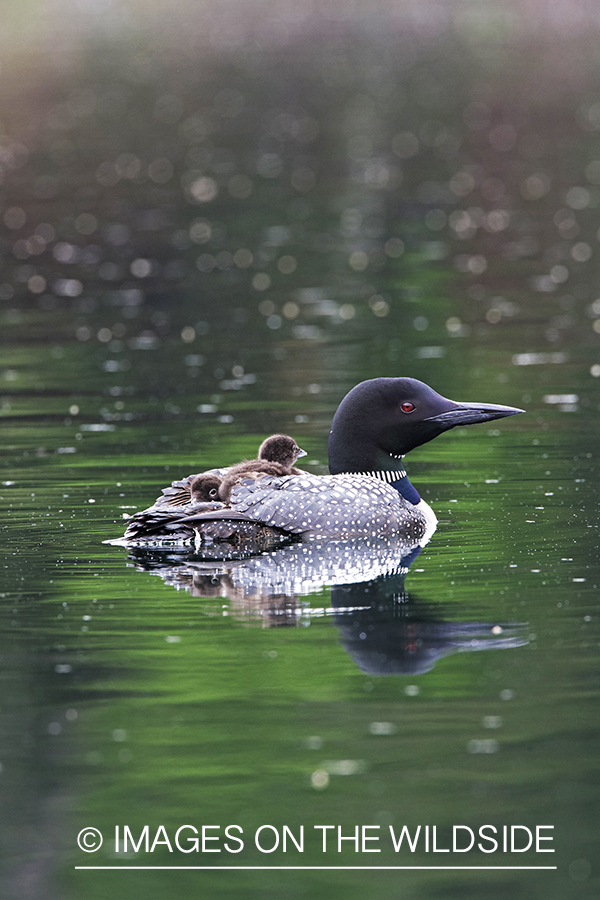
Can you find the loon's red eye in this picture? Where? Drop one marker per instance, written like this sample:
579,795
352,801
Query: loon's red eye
407,407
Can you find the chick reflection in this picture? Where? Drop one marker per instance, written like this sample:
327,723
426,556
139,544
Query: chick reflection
383,630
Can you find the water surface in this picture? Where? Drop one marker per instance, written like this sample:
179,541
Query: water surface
203,248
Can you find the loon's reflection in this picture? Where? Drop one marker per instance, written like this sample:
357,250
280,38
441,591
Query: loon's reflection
382,628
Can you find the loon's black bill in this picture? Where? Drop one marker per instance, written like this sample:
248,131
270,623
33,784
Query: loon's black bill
470,413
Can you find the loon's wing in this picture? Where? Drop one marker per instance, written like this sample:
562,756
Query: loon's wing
325,505
178,494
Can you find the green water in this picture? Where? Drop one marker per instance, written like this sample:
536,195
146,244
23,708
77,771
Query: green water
207,241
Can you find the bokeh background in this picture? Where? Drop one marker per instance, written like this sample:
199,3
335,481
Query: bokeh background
215,219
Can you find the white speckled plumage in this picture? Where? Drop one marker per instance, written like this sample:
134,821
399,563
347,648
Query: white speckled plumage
336,505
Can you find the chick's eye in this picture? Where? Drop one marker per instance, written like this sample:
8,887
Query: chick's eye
407,407
212,492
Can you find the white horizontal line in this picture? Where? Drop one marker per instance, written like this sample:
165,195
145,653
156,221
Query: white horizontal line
313,868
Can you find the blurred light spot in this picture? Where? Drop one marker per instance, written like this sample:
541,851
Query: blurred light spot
266,307
379,305
455,327
141,268
462,183
290,310
595,370
188,334
492,721
319,779
37,284
565,402
592,171
559,274
277,235
117,234
578,198
65,253
261,281
475,264
394,247
46,232
224,260
14,218
580,870
430,352
347,311
420,323
496,220
344,766
537,359
203,189
269,165
462,224
507,694
405,144
274,322
382,728
581,252
86,223
535,186
160,170
350,222
487,745
205,263
287,265
119,734
127,165
243,258
68,287
358,260
54,728
200,231
543,284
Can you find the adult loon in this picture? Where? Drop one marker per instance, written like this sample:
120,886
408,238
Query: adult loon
367,493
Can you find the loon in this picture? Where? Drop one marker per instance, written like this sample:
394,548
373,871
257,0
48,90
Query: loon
205,488
276,456
367,494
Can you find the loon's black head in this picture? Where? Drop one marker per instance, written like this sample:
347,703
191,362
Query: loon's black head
385,418
280,448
